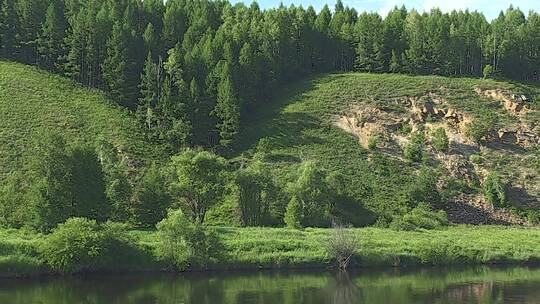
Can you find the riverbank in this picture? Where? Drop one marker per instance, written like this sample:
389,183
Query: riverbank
273,248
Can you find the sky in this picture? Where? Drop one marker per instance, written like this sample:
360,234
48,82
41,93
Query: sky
490,8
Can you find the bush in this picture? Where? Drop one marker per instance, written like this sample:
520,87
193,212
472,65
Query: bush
294,214
423,188
488,71
81,245
151,198
414,151
480,127
476,159
494,190
373,141
184,244
421,217
341,246
311,198
405,129
440,140
452,187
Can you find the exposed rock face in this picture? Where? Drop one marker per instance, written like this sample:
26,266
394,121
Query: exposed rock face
430,112
524,135
458,167
365,123
515,104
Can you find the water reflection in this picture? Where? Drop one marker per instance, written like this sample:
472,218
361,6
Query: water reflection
471,285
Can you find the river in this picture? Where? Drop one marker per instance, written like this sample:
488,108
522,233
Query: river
433,285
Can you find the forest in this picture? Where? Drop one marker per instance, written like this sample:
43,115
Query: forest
193,69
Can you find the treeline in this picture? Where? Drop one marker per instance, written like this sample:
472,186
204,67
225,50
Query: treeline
193,69
61,180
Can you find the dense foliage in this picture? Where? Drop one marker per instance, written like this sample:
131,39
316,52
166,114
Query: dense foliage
197,73
194,69
80,245
185,244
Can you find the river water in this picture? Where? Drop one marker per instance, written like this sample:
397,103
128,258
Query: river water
434,285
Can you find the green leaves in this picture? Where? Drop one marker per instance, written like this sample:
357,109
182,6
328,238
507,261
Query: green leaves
494,190
83,245
197,181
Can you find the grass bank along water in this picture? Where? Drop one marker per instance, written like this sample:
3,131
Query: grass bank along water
269,248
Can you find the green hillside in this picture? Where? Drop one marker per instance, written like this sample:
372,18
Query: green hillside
356,125
332,119
33,100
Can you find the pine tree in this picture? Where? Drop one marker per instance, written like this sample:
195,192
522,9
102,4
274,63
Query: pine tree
117,66
227,109
174,23
395,65
31,15
8,28
151,39
51,39
150,93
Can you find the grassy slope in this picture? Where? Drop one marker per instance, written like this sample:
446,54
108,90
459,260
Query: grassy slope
253,248
32,99
300,123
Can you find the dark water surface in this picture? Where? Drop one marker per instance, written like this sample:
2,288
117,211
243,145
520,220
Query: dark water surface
434,285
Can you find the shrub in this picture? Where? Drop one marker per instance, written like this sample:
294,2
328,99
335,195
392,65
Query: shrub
494,190
81,245
294,215
76,245
423,188
151,198
414,151
311,198
453,187
405,129
478,129
488,71
476,159
184,244
373,141
440,140
420,217
341,245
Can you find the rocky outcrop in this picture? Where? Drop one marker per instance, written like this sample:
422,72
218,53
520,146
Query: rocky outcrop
524,135
513,103
364,123
458,167
430,112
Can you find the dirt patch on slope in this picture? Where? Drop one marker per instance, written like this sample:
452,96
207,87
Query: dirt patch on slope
515,104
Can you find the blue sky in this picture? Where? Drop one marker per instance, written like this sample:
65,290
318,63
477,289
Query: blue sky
490,8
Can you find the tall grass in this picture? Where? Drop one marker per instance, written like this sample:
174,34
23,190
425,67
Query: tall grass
269,248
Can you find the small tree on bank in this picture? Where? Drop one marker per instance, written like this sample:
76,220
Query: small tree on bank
197,182
341,245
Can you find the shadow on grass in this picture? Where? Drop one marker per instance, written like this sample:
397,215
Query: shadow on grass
268,119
